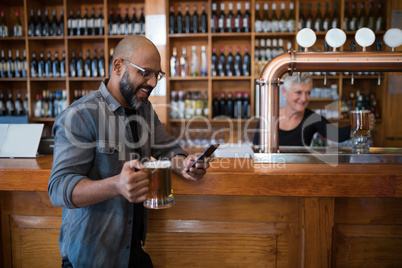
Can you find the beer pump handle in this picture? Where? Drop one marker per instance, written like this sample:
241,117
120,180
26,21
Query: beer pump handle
379,46
326,49
353,47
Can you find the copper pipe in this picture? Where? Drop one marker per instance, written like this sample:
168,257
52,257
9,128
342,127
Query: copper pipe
310,62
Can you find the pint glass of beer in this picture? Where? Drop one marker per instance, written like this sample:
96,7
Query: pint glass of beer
360,132
160,192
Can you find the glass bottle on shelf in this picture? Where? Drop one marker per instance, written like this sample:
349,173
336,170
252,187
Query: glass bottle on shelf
318,19
222,63
302,20
214,19
194,62
371,18
230,19
174,64
326,21
238,63
206,105
70,23
238,21
73,65
19,107
25,104
24,65
126,25
94,65
215,106
100,23
222,104
46,24
39,24
48,65
101,65
291,22
258,21
111,23
117,23
179,20
34,66
266,22
187,20
214,62
230,105
41,65
204,62
31,24
309,18
184,63
56,65
335,18
283,22
53,24
246,67
346,18
142,22
3,65
84,23
77,24
87,65
173,105
10,65
135,27
172,23
10,104
246,106
17,65
63,65
221,19
91,23
17,29
238,106
361,22
3,25
247,18
274,19
230,63
80,65
204,20
353,18
380,21
181,104
199,104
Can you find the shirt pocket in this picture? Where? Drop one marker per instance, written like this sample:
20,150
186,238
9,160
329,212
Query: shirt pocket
108,158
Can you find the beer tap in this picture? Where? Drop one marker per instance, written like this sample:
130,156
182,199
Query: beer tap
305,38
393,38
353,47
379,46
326,49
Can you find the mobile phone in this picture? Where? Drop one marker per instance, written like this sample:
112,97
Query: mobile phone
208,152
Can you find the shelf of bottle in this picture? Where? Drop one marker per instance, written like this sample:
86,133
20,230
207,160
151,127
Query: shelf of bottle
214,120
120,36
46,79
277,34
188,35
213,78
12,38
42,119
60,38
80,37
86,79
191,78
13,79
235,35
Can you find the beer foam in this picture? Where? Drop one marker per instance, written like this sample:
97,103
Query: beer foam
158,164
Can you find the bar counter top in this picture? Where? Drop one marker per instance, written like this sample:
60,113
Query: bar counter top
230,176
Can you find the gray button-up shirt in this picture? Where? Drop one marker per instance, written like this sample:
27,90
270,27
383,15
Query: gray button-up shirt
93,139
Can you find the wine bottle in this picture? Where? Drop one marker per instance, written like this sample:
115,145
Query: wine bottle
268,50
34,66
187,20
17,29
91,23
230,63
126,25
214,19
110,22
38,106
17,65
48,65
3,66
10,65
10,104
174,64
245,106
318,19
50,102
302,19
53,24
46,24
56,65
335,18
238,63
3,25
39,24
222,63
100,23
238,21
246,69
214,62
24,65
309,18
291,21
380,22
222,104
230,105
3,107
258,21
172,24
371,17
63,65
204,20
45,103
60,24
194,62
31,24
266,21
179,20
94,65
184,63
41,65
80,65
274,19
326,21
87,65
135,26
206,105
71,23
78,24
353,18
247,18
195,20
237,106
346,18
230,19
283,22
204,62
142,22
26,104
221,19
73,65
215,106
117,23
361,21
101,64
84,23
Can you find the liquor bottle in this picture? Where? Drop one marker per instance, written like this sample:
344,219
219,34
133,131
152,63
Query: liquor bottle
257,60
268,51
361,21
194,62
238,63
80,65
291,21
26,104
246,69
63,65
10,65
309,18
10,104
221,19
189,107
214,62
142,22
39,24
17,29
84,23
3,107
117,23
101,64
247,18
258,21
230,105
371,17
31,24
204,62
181,104
230,63
17,65
346,18
238,21
91,23
73,65
237,106
280,46
45,103
94,65
41,65
50,104
262,59
60,24
172,24
135,27
214,19
24,65
206,105
230,20
353,19
199,104
274,49
174,105
318,19
3,66
222,104
179,20
302,19
274,19
266,22
100,23
187,20
111,22
71,23
56,65
3,25
19,107
34,66
344,108
184,63
222,63
174,64
38,106
77,24
126,25
48,65
215,106
46,24
326,21
335,22
283,21
204,20
87,65
245,106
380,22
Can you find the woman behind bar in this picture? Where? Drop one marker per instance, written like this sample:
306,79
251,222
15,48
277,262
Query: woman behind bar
297,123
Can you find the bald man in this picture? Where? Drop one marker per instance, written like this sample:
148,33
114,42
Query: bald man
97,176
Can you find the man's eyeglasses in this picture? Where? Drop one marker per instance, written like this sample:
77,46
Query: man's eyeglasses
147,74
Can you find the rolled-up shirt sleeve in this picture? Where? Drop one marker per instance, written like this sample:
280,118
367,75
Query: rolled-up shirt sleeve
73,153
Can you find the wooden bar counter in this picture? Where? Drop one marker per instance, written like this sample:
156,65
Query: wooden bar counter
240,215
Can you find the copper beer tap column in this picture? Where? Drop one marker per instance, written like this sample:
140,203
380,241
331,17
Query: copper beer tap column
310,62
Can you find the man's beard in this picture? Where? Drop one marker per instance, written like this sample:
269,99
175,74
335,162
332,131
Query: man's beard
130,95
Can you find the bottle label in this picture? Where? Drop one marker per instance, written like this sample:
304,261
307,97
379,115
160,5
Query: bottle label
237,23
308,24
221,23
275,26
267,26
325,25
283,27
258,26
291,24
245,23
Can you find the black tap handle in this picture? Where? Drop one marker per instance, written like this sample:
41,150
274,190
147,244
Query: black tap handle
326,47
353,46
379,45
